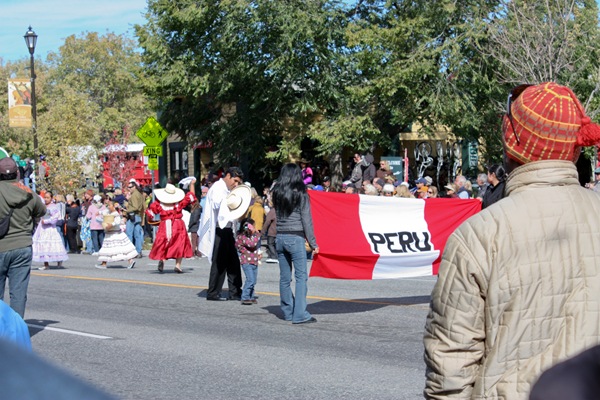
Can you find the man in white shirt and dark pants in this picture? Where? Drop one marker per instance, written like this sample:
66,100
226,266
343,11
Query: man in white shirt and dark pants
217,241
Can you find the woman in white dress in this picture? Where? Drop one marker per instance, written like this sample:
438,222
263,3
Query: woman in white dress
47,243
116,245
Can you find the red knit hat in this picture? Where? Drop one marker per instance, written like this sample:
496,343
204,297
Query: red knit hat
551,125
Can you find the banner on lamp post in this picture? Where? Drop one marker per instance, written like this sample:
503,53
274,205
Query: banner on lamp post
19,103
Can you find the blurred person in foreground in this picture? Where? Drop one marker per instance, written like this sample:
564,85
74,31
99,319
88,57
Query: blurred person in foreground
518,288
16,246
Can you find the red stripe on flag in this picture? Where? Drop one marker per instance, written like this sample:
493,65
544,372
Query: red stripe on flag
442,223
344,252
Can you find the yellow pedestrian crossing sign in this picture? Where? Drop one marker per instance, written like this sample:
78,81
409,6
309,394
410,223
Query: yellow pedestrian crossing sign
152,133
153,151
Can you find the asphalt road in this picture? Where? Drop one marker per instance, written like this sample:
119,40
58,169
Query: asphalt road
139,334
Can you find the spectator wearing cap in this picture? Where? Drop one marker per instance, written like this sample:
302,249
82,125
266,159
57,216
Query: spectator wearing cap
379,183
518,288
388,190
135,210
349,188
451,190
419,185
95,215
16,246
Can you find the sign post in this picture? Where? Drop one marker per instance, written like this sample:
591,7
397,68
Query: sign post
152,134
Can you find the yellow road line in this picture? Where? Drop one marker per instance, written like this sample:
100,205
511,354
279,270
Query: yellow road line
175,285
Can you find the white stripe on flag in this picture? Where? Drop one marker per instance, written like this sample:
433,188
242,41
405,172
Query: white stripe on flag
398,233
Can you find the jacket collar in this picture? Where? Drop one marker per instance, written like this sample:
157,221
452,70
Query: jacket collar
540,174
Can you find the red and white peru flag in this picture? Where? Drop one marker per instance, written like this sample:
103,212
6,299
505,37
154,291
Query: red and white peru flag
372,237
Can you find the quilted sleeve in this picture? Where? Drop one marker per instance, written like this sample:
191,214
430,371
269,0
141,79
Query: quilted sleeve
455,327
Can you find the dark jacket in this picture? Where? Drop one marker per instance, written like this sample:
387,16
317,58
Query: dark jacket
27,206
195,220
369,172
270,226
72,213
493,194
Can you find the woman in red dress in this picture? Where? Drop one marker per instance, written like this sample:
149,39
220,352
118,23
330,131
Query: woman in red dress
172,239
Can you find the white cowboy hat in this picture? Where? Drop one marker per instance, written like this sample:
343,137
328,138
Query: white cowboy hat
238,201
169,195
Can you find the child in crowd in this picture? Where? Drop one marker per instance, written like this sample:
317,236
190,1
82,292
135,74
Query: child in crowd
116,245
247,244
47,244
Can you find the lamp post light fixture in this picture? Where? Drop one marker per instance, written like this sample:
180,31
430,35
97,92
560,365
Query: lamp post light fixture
31,40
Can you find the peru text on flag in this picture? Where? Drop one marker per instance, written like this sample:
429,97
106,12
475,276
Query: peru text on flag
372,237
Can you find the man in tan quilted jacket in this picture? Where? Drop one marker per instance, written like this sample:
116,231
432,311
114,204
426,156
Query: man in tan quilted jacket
519,284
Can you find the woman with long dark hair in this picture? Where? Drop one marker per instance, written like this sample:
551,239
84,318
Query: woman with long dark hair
496,179
294,228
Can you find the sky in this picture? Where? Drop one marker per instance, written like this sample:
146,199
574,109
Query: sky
55,20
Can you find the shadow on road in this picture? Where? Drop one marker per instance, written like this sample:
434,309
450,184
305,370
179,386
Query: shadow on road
203,293
355,305
40,322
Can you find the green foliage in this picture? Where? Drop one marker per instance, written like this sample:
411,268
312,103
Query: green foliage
102,73
261,78
270,62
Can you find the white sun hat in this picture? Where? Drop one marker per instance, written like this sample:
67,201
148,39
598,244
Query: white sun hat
169,195
238,201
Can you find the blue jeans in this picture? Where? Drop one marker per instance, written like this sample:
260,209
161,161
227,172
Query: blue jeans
291,252
16,266
135,233
251,272
97,239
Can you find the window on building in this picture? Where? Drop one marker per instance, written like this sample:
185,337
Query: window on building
178,157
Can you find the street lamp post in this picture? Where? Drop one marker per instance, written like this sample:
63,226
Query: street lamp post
31,40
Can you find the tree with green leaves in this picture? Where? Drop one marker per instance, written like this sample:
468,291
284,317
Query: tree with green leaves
95,86
249,76
534,42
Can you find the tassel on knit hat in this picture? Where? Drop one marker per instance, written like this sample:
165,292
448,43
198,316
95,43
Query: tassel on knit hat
551,125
